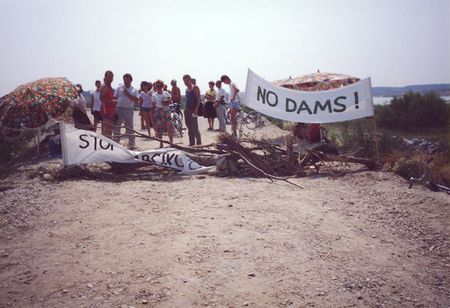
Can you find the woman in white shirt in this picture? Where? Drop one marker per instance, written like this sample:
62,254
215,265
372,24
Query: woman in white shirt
145,100
161,100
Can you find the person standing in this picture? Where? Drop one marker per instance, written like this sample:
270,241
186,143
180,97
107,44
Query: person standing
210,111
220,106
161,100
193,99
126,97
96,104
108,107
176,96
141,115
145,101
235,104
79,115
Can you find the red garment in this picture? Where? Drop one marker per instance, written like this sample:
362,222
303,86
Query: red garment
313,133
108,107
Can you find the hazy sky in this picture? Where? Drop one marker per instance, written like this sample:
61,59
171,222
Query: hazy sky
395,42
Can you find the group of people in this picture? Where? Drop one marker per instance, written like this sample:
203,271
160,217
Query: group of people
114,107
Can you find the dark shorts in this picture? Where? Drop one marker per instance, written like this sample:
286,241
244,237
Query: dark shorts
145,109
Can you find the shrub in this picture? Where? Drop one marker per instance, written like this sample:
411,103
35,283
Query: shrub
408,167
414,111
353,136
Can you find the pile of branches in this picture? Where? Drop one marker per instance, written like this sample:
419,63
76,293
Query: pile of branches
261,156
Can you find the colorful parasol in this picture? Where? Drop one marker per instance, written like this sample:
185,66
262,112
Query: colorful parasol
316,81
32,105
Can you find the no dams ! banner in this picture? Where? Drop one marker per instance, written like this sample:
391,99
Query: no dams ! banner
342,104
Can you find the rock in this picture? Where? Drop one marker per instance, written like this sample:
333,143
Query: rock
90,285
251,275
65,291
48,177
144,301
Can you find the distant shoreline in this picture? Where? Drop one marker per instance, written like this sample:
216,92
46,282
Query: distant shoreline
442,89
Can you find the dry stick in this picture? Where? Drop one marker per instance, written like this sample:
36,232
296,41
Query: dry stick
369,163
269,176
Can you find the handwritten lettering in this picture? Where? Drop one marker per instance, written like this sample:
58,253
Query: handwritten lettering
97,143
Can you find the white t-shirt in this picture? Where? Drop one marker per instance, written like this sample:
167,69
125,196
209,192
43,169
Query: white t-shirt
146,99
221,92
123,100
97,103
158,99
232,86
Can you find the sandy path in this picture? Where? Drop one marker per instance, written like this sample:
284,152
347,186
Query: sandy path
362,239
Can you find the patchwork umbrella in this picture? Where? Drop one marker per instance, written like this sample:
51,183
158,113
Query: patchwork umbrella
32,105
316,81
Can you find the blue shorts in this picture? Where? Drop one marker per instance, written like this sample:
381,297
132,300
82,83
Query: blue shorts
235,105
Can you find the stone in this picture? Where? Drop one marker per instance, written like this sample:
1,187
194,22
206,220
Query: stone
48,177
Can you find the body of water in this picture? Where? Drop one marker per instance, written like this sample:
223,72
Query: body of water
383,100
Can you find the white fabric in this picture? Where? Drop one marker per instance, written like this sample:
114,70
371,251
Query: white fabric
123,100
227,97
220,92
346,103
232,90
87,147
146,99
97,103
158,99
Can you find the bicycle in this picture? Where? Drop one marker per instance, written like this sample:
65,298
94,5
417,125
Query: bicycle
176,119
252,120
429,184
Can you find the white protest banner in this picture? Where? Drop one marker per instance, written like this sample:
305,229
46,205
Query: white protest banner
342,104
87,147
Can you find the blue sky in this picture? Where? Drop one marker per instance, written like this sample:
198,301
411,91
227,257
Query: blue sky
396,43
